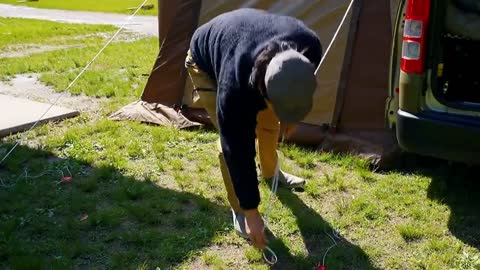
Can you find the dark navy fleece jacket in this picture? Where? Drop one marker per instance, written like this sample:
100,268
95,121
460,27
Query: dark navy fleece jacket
225,48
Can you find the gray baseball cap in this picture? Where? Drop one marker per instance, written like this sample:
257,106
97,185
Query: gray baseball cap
290,82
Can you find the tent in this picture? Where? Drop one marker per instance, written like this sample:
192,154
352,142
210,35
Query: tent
349,107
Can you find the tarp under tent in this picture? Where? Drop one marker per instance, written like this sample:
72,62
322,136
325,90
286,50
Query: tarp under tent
349,105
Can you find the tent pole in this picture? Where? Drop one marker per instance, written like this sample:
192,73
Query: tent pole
344,76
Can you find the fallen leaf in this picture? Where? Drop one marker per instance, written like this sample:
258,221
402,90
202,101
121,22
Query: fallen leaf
84,217
66,179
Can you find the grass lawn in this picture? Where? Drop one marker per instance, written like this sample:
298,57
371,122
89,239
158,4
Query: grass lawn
119,72
14,37
144,196
117,6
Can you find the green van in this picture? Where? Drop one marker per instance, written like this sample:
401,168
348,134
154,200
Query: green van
434,99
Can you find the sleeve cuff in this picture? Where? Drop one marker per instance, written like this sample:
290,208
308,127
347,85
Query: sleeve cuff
251,202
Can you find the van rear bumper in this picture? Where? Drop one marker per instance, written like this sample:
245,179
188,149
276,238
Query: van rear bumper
440,135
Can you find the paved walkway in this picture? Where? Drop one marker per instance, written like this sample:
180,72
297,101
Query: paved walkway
146,25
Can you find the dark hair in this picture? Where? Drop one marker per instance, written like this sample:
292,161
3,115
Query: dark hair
263,59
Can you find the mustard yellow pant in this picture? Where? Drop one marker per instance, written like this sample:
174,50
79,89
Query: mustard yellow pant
267,130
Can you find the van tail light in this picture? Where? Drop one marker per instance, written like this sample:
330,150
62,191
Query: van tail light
414,36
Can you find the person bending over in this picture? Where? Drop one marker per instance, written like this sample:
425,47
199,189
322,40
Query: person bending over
253,72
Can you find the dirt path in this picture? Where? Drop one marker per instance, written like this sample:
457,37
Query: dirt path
146,25
27,86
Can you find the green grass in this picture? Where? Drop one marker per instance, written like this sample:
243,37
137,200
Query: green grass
125,77
14,37
120,71
410,232
214,261
117,6
144,196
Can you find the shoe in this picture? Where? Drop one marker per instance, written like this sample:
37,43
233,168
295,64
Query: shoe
290,181
239,224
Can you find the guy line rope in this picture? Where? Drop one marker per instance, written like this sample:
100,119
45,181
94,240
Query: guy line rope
273,259
19,141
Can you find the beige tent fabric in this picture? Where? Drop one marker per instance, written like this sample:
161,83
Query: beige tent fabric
153,113
362,76
323,16
329,75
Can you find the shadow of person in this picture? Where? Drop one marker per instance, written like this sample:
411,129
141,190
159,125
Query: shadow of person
458,187
314,229
101,219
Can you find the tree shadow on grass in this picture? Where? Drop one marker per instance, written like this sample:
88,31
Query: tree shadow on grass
102,219
314,229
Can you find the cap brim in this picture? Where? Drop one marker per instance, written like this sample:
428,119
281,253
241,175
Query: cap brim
292,116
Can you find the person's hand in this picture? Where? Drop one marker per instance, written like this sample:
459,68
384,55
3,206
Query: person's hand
255,228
